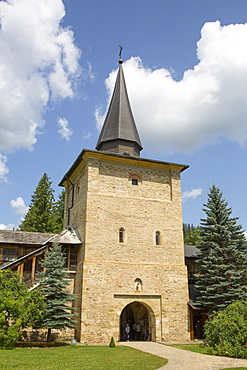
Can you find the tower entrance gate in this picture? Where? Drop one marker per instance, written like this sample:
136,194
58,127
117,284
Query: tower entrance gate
139,317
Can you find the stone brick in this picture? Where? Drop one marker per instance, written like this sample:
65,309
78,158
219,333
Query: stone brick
102,200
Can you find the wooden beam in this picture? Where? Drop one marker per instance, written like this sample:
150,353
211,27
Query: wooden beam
33,269
20,270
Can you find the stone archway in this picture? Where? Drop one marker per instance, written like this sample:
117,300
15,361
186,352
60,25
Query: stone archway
137,313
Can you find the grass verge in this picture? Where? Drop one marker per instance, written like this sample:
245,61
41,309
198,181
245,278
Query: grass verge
191,347
79,358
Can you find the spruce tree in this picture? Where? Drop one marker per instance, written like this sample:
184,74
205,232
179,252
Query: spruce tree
38,217
57,215
54,280
221,277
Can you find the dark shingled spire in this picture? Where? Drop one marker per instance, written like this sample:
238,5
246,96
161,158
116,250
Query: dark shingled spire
119,133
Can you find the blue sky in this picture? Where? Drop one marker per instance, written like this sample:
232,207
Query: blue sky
185,65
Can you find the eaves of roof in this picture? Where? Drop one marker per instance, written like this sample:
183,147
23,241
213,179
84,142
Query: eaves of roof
99,154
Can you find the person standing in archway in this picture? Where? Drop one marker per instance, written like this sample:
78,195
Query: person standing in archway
146,332
138,331
127,331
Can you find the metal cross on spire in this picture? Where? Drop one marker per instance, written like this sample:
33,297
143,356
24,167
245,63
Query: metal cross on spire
120,52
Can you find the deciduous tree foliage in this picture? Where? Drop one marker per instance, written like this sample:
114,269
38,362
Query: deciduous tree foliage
221,277
59,312
191,234
44,214
226,332
19,308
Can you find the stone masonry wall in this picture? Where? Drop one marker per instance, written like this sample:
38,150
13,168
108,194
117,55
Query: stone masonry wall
108,288
113,202
106,201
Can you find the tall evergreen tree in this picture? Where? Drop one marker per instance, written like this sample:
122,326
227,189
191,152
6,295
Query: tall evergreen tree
38,217
58,213
221,277
44,214
53,283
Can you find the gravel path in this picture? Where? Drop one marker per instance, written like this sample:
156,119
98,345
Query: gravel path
180,359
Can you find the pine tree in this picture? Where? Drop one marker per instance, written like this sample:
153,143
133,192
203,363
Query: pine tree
44,215
38,218
221,277
57,215
53,283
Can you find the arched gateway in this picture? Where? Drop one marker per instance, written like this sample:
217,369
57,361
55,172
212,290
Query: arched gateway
140,318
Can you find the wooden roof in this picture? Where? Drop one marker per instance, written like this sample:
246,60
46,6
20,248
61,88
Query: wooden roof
24,237
68,236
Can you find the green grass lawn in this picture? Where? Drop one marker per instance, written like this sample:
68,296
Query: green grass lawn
236,368
78,357
191,347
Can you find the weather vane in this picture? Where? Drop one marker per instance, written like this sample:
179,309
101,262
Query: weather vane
120,52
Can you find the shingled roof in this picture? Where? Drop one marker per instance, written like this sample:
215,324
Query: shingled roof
40,240
68,236
119,133
24,237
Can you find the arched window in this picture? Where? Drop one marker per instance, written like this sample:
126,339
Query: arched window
121,235
157,238
135,178
138,284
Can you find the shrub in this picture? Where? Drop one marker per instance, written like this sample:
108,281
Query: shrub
226,331
19,308
112,343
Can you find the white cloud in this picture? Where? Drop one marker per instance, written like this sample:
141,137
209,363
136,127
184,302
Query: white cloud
19,206
3,168
87,135
91,74
208,104
193,194
38,62
7,227
64,130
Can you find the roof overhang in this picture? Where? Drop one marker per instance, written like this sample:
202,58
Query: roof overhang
197,308
68,236
115,157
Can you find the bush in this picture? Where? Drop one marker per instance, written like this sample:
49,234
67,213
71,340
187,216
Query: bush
19,308
112,343
226,331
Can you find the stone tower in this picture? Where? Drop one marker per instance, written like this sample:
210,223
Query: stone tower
128,212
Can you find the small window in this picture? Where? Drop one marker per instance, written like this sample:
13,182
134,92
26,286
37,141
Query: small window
121,235
138,284
135,178
157,238
9,254
70,252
